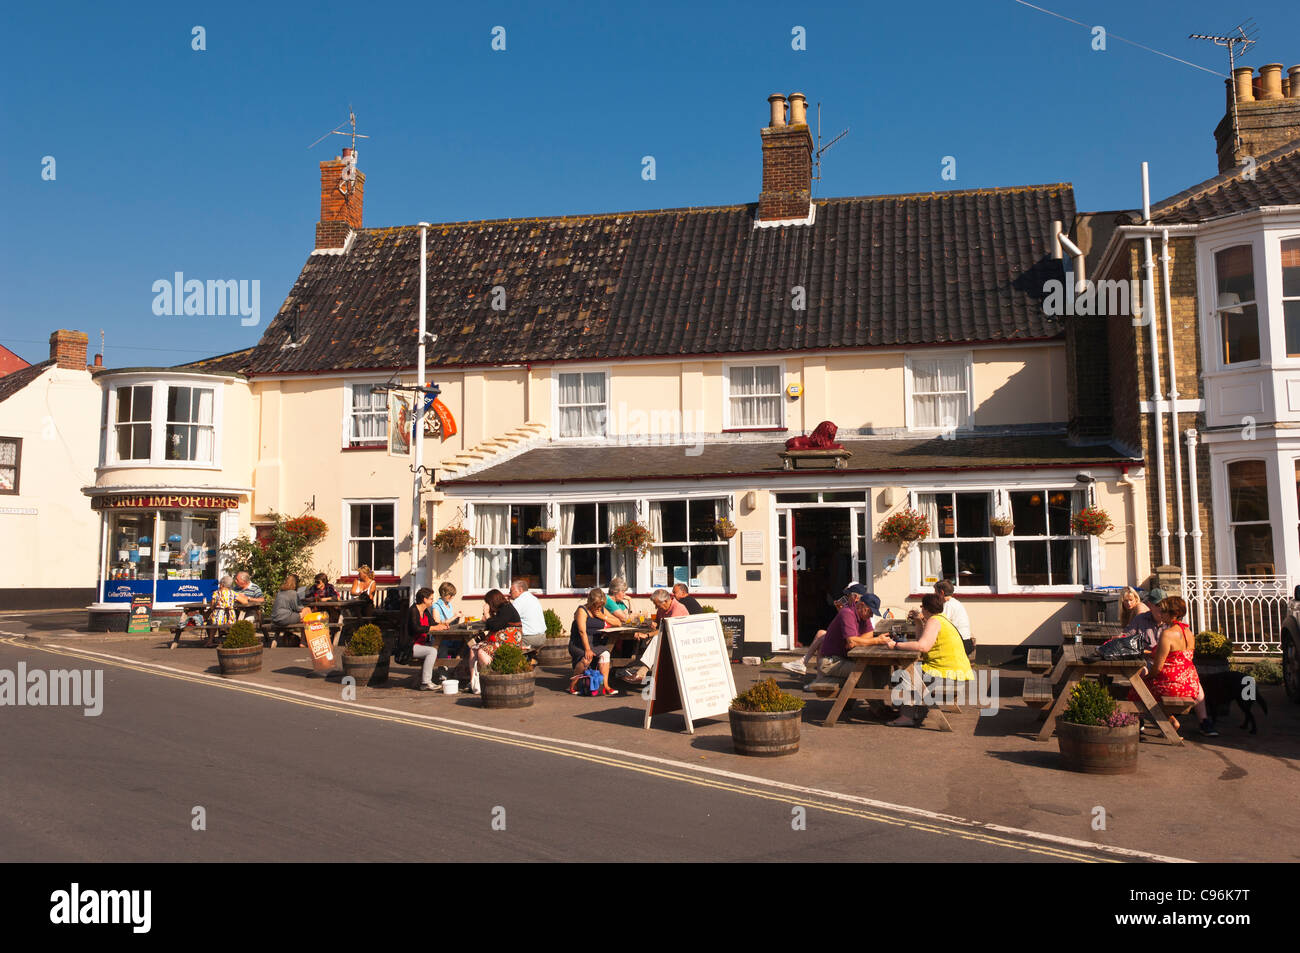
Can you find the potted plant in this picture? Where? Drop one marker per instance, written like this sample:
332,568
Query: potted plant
1090,521
724,528
904,527
1094,736
765,721
543,534
452,539
555,650
1002,526
241,651
632,535
361,657
1213,650
508,682
311,529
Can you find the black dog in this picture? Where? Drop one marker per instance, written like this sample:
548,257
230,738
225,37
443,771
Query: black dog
1222,688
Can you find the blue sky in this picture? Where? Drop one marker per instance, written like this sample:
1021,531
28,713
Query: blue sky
170,159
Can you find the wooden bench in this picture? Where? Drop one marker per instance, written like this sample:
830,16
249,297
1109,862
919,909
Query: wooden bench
1037,692
210,630
1176,706
824,687
1039,660
274,631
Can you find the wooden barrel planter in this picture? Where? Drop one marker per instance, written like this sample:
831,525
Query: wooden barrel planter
506,691
554,652
1097,749
361,667
765,734
240,661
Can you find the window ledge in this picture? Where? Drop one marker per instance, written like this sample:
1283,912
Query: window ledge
157,464
1019,594
755,429
364,447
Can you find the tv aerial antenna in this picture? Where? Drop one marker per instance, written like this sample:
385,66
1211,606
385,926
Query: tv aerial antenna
348,177
817,154
1238,40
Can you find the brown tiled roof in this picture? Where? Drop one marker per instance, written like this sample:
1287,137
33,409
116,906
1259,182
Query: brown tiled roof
234,362
11,384
559,464
1276,181
878,271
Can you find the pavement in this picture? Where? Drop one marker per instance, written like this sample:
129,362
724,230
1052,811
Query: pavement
986,791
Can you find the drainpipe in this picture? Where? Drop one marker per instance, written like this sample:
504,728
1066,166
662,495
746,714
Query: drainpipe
1173,398
1196,528
1157,399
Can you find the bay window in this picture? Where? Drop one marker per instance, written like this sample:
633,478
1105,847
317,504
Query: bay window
133,430
189,424
1291,295
1249,524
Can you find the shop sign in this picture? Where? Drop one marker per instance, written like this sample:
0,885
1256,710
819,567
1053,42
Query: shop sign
178,501
186,590
124,590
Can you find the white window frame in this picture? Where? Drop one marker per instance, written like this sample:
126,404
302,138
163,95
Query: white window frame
1049,538
195,426
690,544
1274,253
345,433
909,388
544,548
727,368
158,421
994,565
347,537
1269,459
1259,277
555,403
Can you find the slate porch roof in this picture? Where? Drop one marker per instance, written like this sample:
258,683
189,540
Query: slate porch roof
883,271
573,464
1276,182
12,383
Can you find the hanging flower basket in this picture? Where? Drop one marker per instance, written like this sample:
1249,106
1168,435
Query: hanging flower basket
724,528
905,526
1090,521
1002,526
453,539
632,535
543,534
309,528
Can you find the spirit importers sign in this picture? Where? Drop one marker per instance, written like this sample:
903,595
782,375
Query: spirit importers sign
159,501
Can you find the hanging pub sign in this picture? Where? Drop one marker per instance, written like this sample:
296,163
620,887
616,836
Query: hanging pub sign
438,420
165,501
399,424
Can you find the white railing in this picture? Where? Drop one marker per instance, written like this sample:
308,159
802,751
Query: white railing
1249,610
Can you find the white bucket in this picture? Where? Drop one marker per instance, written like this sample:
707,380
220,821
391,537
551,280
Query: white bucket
450,686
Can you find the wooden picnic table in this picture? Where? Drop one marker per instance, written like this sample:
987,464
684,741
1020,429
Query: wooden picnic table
209,629
883,658
1074,667
1090,633
617,634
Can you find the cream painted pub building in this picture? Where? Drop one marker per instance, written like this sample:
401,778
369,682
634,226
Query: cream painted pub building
650,365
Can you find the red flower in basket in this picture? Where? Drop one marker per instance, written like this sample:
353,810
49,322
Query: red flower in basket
310,528
905,526
1090,521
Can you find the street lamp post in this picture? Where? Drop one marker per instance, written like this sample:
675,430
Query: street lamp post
416,503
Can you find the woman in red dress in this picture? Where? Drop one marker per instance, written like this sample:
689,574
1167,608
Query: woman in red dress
1171,672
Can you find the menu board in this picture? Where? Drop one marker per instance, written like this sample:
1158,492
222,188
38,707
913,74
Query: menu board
733,626
691,670
141,614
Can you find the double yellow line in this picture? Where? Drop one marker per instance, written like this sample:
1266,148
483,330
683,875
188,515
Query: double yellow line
974,833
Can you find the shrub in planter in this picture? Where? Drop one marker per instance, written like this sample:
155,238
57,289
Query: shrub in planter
555,650
708,609
1212,645
361,657
765,721
554,624
240,653
1094,736
508,682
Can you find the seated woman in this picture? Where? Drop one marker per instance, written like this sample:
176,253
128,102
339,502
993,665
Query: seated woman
445,612
420,621
321,588
365,588
502,625
287,610
942,656
223,607
587,644
1171,672
616,601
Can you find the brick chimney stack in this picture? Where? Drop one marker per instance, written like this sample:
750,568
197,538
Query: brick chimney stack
342,190
787,162
1268,113
68,348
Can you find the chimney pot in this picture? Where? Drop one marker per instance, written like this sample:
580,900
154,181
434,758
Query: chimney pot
341,201
99,360
1243,77
798,109
777,101
1294,73
1270,81
68,349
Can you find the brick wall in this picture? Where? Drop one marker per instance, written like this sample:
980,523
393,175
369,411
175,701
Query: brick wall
1264,126
339,213
787,173
68,348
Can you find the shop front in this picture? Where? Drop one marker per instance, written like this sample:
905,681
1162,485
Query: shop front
163,545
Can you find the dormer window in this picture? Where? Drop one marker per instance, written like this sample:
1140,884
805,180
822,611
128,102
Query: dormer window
1235,307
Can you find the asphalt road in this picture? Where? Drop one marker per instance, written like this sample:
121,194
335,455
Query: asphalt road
279,780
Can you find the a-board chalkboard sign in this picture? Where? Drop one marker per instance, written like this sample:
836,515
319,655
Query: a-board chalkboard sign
733,627
692,670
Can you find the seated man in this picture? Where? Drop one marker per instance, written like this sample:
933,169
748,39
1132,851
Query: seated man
248,596
683,596
852,593
531,615
666,607
850,629
955,613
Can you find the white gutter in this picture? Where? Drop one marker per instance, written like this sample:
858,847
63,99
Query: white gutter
1165,294
1148,314
1196,529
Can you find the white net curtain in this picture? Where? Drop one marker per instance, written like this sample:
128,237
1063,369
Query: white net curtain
491,534
939,393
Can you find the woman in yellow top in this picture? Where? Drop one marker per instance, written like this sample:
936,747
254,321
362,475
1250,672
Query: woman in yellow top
942,656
